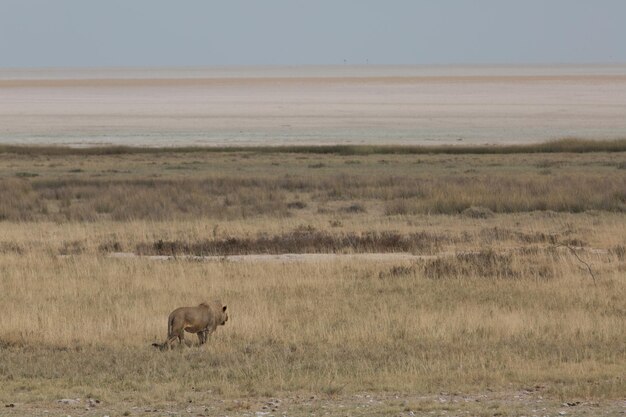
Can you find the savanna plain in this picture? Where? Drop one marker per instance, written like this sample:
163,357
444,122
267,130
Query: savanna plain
473,281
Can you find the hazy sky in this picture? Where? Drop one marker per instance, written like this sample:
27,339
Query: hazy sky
296,32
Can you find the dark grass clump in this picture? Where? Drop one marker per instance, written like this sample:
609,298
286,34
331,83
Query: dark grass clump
619,252
19,202
354,208
477,213
299,205
397,271
486,263
110,246
533,263
496,234
11,247
72,247
298,241
26,174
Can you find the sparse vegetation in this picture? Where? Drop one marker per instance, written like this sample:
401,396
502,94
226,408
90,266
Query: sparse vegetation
573,145
217,189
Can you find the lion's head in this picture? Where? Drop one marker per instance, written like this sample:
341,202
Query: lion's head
223,316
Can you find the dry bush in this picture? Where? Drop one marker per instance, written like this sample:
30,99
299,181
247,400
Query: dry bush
486,263
19,202
550,163
354,208
477,213
73,247
110,246
528,263
397,271
495,234
11,247
619,252
400,207
297,205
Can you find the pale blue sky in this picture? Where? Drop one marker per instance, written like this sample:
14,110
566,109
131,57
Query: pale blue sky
298,32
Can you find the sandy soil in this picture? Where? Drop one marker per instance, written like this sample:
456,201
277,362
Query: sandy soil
318,257
289,257
399,105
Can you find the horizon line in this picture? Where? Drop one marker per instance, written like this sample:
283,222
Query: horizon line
336,65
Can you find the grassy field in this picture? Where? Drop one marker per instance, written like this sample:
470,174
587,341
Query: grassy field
498,303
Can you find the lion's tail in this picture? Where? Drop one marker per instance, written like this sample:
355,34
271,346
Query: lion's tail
170,323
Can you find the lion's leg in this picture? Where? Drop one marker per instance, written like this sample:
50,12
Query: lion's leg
202,337
205,335
170,340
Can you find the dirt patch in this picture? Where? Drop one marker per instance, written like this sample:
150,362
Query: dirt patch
286,257
531,401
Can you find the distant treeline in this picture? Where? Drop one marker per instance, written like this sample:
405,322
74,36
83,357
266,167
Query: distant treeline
573,145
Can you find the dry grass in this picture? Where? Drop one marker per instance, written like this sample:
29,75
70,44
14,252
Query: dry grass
227,186
501,307
83,322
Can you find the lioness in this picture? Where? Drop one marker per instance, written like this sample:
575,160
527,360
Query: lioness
201,320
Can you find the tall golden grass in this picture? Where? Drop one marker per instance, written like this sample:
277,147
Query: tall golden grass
85,322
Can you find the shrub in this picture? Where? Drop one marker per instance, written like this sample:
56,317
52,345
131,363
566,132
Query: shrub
477,212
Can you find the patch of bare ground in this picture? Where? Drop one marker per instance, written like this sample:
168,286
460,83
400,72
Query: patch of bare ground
486,262
285,257
531,401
